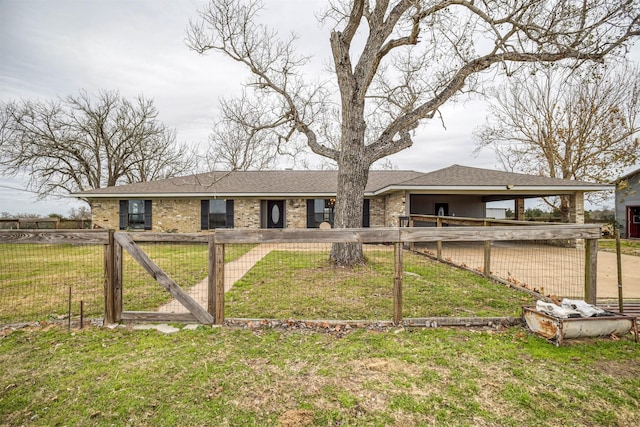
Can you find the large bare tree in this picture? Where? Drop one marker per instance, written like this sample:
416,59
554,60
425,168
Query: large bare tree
82,142
395,63
564,123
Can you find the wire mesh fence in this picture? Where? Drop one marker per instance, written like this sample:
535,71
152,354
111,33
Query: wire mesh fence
543,267
38,281
286,279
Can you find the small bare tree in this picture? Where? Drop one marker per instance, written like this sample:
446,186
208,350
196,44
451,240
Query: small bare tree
395,63
567,124
81,143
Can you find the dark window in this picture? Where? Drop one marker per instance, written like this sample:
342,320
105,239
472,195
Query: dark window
135,214
322,210
216,213
319,211
366,217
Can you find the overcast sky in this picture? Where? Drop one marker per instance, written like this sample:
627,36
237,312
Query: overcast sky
52,48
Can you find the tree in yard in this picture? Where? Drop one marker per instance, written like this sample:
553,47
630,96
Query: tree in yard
568,125
81,143
395,63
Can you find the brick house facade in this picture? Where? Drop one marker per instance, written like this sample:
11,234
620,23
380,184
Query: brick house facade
304,199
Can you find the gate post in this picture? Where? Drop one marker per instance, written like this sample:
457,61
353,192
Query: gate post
109,281
218,318
112,280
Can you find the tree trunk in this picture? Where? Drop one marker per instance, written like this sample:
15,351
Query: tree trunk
353,173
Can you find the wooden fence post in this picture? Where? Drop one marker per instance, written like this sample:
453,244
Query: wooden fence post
211,278
117,280
109,283
487,258
397,283
590,270
112,280
439,242
219,284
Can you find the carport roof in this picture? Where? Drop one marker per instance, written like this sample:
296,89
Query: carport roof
453,179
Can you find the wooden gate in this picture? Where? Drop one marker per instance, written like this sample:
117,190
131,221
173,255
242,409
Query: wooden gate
113,286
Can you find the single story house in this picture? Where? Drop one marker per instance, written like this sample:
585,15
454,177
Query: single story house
628,205
305,199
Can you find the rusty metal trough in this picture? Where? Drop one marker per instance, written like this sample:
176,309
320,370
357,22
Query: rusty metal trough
558,329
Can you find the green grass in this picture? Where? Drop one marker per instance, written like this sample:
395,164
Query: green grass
304,285
237,377
627,247
35,279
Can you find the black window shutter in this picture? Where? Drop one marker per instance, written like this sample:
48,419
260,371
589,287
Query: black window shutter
229,213
365,213
124,214
147,215
204,214
311,221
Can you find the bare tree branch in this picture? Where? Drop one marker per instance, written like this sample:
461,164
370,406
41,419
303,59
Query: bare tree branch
81,143
396,62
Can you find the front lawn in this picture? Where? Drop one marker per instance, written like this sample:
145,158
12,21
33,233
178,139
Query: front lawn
304,285
240,377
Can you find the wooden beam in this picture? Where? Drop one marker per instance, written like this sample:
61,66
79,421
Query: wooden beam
290,235
170,237
156,316
84,237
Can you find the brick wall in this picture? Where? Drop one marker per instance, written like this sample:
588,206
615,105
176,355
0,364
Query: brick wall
183,215
246,213
296,213
395,207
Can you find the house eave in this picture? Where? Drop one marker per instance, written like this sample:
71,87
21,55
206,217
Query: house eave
498,189
207,195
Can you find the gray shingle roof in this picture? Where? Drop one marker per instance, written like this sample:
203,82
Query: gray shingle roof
459,176
289,182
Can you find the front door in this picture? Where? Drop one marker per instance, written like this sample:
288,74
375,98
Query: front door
275,213
633,222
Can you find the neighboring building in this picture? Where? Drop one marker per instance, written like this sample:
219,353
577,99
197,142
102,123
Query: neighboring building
496,213
305,199
628,205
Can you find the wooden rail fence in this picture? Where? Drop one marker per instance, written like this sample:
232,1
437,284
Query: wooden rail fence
115,242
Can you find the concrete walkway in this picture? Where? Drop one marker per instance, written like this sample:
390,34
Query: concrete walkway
233,271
